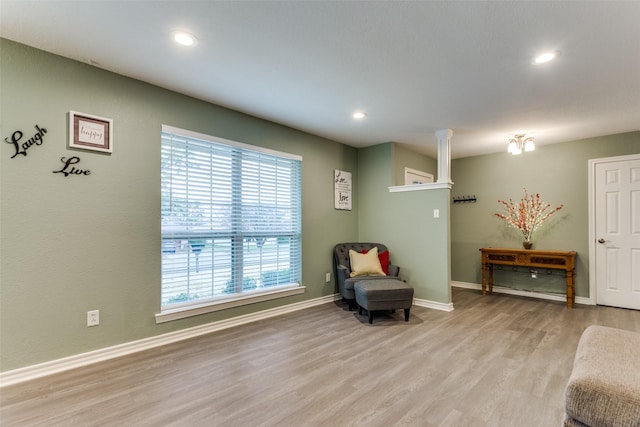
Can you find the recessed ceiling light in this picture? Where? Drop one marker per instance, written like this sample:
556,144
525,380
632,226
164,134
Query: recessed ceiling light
545,57
359,115
184,38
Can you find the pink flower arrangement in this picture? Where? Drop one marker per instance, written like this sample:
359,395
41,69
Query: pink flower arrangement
528,215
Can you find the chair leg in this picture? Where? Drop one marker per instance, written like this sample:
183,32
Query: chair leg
370,316
406,314
359,310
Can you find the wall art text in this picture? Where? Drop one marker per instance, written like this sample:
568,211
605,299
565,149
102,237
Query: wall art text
22,147
70,169
342,189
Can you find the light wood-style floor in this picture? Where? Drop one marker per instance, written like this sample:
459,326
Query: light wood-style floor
496,360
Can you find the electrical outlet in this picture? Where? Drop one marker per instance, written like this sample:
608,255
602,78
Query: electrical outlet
534,274
93,318
327,277
436,213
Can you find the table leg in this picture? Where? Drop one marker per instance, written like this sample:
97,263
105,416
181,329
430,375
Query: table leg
484,278
570,290
490,278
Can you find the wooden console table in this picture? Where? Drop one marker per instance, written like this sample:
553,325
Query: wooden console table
561,260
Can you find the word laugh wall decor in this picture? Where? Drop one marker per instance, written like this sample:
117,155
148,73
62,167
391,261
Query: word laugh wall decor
21,148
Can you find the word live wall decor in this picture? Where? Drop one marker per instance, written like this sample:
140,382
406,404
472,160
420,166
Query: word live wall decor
69,169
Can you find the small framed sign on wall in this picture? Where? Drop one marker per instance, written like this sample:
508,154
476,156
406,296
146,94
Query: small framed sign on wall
342,189
89,132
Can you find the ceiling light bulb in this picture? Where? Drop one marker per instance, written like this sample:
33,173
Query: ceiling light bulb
529,145
359,115
184,39
545,57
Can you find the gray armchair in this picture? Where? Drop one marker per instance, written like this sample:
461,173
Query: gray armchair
343,269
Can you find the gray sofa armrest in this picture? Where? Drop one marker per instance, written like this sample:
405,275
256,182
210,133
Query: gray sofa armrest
343,273
394,270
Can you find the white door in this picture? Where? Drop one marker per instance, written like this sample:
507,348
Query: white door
617,231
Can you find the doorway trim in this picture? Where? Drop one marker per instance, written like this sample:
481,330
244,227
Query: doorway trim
592,217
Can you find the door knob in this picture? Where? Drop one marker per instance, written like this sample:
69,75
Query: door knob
601,240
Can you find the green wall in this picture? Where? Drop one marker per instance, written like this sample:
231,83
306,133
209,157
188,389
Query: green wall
559,173
402,156
78,243
404,222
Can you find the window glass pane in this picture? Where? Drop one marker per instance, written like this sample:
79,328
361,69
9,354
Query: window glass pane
230,219
195,269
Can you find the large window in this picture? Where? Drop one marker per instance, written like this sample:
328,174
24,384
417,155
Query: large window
230,221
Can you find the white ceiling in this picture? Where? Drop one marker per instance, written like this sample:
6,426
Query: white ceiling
414,67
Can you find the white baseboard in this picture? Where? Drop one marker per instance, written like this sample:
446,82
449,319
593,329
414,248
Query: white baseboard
509,291
433,304
59,365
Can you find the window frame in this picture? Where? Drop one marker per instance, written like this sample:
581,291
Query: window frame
175,311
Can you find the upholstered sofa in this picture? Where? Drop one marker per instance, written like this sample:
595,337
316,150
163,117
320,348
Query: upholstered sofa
604,386
342,266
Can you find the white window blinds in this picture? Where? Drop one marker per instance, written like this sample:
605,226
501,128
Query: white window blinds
231,216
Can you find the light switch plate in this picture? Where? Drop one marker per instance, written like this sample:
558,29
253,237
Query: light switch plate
93,318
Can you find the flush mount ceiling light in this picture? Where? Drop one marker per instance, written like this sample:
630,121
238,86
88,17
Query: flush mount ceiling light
359,115
519,143
545,57
184,38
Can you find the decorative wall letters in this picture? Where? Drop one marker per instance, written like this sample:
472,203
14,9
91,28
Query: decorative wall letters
104,140
69,169
21,148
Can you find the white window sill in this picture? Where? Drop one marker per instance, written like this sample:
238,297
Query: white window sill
182,312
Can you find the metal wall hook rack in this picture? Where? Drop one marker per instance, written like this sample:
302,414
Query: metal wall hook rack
464,199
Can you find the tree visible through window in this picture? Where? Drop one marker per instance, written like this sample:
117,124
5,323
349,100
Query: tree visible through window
230,218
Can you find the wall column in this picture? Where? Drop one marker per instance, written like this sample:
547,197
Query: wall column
444,155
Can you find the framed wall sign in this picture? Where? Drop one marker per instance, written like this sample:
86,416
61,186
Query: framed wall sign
89,132
342,189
